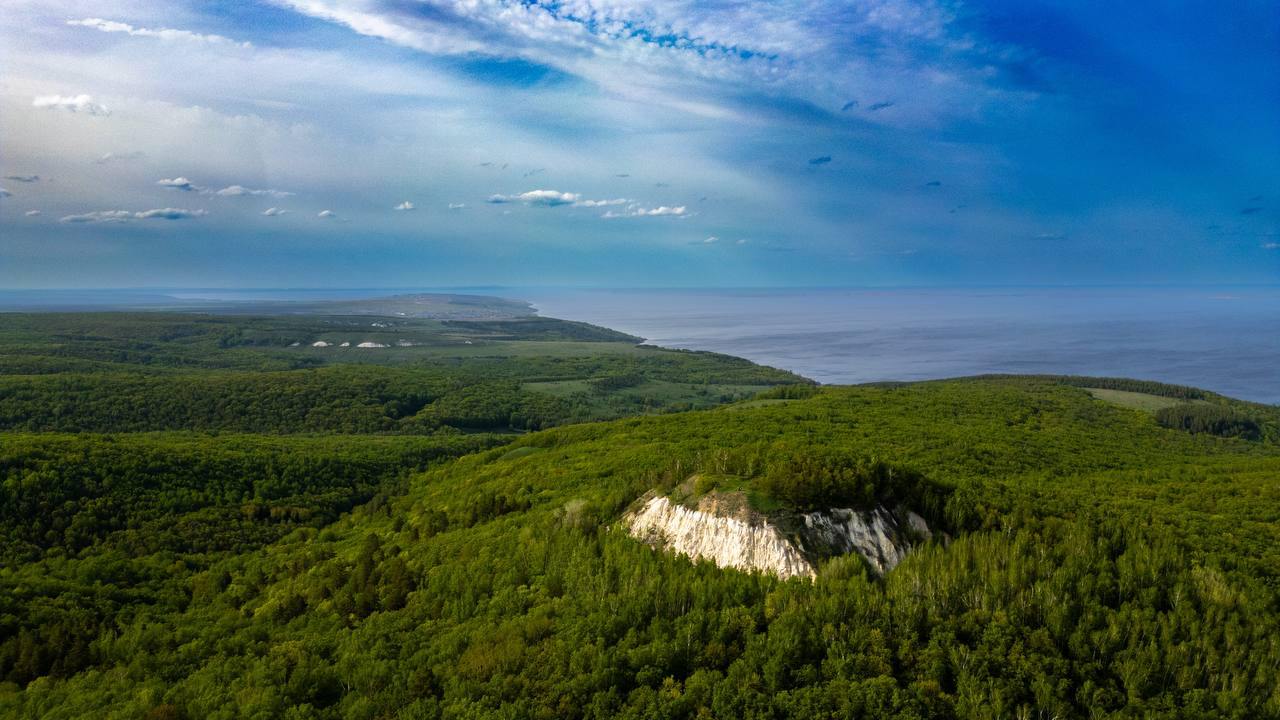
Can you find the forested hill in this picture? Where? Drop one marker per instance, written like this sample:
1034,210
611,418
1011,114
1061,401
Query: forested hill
140,451
1087,561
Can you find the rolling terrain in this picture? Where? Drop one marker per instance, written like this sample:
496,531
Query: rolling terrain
373,539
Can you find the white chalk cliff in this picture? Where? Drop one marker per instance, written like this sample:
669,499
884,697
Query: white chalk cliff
749,542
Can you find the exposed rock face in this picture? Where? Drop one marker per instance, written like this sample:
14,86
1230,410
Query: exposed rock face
727,541
875,535
746,541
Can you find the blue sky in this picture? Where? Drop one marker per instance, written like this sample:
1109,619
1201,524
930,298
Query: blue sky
365,143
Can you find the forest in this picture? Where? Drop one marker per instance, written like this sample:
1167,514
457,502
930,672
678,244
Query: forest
200,520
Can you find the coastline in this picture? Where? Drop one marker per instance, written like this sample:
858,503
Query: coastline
1221,339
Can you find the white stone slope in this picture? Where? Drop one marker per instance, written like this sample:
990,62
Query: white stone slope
727,541
755,544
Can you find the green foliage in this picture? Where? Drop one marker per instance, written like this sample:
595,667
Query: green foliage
817,477
788,392
616,382
1146,387
151,372
540,328
193,493
103,526
1213,419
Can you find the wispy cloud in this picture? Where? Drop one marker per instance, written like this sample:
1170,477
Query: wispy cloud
32,213
98,216
327,215
112,26
169,214
554,198
601,203
120,157
241,191
457,206
70,103
406,205
637,211
23,178
120,216
5,193
274,212
684,56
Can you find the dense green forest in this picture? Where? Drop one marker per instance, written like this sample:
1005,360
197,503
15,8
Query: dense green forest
214,523
119,372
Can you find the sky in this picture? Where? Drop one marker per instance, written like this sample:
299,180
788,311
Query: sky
602,143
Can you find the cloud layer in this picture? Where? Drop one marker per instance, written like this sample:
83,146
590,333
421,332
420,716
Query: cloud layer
70,103
887,141
241,191
120,216
169,34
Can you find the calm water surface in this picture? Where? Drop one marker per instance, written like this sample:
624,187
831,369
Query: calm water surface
1226,340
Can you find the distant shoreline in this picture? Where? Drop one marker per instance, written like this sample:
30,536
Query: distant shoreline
1221,338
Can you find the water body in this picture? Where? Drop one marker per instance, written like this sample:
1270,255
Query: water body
1221,339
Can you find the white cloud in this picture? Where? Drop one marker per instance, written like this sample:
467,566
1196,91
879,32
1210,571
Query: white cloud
119,216
23,178
112,26
457,206
98,216
169,214
240,190
117,157
637,211
70,103
601,203
32,213
274,212
678,54
178,183
326,214
711,239
545,198
1271,246
406,205
555,198
741,241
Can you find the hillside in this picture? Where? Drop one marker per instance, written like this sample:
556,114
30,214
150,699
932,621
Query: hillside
1085,560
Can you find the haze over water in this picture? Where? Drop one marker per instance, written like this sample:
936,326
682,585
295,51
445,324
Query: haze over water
1221,339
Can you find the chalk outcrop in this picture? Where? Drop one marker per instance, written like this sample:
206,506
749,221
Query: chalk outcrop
726,541
748,541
